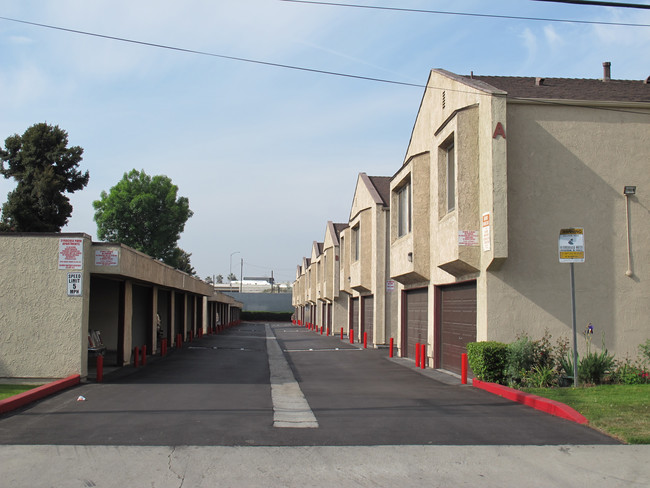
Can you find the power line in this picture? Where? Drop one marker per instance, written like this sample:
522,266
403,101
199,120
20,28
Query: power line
467,14
214,55
266,63
599,4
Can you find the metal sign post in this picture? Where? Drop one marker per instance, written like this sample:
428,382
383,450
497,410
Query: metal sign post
572,250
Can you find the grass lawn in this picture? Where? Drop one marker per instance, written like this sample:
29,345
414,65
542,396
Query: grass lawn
7,391
622,411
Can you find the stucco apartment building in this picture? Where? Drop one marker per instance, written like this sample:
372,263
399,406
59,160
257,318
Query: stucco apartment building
496,167
57,289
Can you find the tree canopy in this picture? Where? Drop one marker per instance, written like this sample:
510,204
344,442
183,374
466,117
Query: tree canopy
146,213
45,168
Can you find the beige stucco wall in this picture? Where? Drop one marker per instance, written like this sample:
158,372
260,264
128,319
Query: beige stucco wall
44,331
567,167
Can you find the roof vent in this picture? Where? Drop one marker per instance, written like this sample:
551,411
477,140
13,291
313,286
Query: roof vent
539,81
607,71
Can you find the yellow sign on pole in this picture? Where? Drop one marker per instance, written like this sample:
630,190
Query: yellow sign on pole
572,245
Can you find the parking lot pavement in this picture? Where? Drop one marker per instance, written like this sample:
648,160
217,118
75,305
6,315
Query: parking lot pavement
216,391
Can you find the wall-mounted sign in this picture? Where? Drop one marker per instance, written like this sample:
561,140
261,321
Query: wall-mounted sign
390,285
106,257
71,253
499,131
75,284
572,245
468,238
485,230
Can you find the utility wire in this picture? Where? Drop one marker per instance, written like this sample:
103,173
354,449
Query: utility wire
214,55
599,4
277,65
466,14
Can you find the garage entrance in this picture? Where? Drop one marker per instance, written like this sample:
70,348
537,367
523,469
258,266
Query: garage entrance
354,315
415,305
367,318
455,324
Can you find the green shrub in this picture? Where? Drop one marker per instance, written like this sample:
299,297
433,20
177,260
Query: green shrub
488,360
521,359
540,377
629,373
594,366
644,349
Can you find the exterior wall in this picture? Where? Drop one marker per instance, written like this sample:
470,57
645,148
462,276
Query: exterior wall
44,329
410,254
567,167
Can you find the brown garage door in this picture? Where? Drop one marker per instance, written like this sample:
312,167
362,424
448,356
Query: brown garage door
354,315
457,323
414,319
367,324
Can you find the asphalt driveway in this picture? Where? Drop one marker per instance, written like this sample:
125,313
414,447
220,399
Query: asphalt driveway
217,391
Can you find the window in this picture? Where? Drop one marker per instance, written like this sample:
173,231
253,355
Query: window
404,210
342,249
356,243
451,178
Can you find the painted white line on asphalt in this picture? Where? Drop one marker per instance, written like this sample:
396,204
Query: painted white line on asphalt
290,407
330,349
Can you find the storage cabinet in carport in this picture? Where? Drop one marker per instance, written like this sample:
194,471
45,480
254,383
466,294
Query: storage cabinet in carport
415,304
456,323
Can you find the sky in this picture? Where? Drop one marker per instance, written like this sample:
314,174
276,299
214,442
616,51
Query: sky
268,154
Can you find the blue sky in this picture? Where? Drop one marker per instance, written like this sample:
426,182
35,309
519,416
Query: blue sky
268,155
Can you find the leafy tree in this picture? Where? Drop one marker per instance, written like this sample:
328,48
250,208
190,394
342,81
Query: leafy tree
232,277
45,168
219,279
144,212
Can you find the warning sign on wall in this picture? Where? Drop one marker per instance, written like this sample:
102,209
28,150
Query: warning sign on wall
71,253
106,257
572,245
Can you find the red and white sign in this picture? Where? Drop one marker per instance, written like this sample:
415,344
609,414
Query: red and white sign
390,285
106,257
486,231
71,253
468,238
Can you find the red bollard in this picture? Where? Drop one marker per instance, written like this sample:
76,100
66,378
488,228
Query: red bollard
351,336
100,369
341,333
163,347
390,351
328,331
321,330
463,368
136,360
423,357
179,341
144,355
365,340
417,355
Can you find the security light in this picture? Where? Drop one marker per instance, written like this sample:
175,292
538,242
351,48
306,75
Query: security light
629,190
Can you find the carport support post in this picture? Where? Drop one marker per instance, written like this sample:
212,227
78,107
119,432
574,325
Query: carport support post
574,328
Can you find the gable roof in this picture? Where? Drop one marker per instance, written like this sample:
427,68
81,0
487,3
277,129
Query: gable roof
382,185
568,88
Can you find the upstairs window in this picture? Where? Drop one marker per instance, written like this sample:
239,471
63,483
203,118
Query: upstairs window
451,177
356,243
404,210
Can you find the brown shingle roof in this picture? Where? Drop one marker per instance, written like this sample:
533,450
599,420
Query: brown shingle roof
338,228
569,88
382,185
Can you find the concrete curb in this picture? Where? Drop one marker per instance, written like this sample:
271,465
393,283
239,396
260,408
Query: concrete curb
17,401
539,403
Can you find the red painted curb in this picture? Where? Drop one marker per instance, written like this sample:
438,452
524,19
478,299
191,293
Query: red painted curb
16,401
539,403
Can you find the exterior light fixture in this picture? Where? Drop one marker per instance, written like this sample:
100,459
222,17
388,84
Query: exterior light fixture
410,257
628,191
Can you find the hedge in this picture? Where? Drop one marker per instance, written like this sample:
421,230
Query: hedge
488,360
